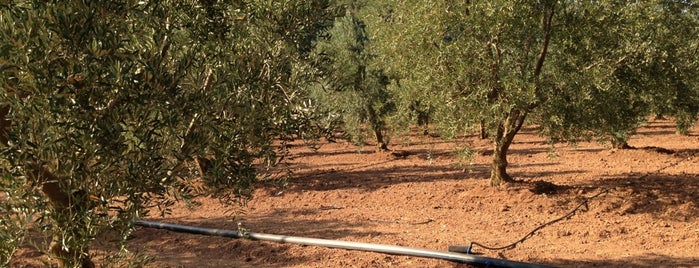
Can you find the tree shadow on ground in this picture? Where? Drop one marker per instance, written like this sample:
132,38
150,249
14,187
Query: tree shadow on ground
319,166
332,153
483,146
516,151
404,166
543,171
656,131
373,179
545,174
671,197
588,150
658,127
368,178
644,261
679,153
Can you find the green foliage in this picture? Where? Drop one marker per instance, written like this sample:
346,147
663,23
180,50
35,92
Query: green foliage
119,99
352,88
576,68
677,25
629,67
441,53
472,64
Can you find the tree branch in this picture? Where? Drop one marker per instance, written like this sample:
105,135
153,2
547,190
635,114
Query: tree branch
547,37
4,123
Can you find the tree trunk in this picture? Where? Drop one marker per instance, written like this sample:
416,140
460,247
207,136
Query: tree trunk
621,145
503,139
4,123
423,120
498,171
377,127
64,205
484,134
380,143
515,119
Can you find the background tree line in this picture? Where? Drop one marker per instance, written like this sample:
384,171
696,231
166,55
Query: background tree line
114,108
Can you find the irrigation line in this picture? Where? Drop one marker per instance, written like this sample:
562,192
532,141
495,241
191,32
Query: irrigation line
564,217
380,248
453,256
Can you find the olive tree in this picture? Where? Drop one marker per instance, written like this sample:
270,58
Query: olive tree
497,65
636,60
674,26
115,108
477,62
352,87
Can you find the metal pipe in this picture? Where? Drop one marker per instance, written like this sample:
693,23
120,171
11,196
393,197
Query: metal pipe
381,248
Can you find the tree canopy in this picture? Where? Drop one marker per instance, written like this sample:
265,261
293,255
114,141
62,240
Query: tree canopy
351,85
576,69
119,107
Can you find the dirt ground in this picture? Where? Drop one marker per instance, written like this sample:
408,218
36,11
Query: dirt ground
423,195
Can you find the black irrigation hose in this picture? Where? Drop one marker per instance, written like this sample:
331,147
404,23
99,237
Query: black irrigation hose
566,216
381,248
530,234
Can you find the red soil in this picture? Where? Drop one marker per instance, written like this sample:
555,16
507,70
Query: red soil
422,195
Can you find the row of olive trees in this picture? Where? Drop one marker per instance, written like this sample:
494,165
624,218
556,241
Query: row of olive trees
578,69
113,108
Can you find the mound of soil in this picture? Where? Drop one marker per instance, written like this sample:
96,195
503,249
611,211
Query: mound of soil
423,194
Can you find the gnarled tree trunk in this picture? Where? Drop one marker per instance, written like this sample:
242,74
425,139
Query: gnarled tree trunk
503,139
380,143
515,118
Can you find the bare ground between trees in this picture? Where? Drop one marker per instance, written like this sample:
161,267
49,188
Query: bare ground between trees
422,195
